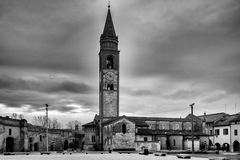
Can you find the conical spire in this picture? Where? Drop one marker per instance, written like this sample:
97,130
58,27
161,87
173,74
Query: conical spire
109,30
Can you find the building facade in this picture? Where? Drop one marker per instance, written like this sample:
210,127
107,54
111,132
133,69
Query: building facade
19,136
223,130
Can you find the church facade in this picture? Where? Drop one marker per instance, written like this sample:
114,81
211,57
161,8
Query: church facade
108,130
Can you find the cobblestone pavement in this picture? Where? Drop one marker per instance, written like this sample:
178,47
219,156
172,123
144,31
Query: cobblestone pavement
82,156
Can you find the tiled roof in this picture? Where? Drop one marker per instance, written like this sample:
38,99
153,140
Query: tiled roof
90,124
195,118
116,119
158,119
167,132
237,118
210,118
226,120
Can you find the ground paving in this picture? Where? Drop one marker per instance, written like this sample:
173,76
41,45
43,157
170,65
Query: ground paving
92,156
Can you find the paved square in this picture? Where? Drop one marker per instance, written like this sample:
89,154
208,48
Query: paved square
81,156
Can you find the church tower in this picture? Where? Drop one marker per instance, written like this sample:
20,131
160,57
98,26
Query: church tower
108,71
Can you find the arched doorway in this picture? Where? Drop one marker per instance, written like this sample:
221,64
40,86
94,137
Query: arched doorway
226,147
52,147
236,146
35,146
9,144
218,146
65,146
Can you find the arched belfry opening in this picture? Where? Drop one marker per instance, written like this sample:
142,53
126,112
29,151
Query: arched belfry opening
110,87
109,62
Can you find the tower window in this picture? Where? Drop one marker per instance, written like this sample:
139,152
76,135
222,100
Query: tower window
124,128
93,139
109,62
110,87
10,132
145,139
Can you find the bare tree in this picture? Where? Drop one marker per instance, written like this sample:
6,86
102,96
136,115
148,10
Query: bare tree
21,116
41,121
55,124
14,116
73,125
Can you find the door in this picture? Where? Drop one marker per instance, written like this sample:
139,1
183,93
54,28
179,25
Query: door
236,146
10,144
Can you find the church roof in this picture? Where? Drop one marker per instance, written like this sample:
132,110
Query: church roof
109,31
158,119
167,132
90,124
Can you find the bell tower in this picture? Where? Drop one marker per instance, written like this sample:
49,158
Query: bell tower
108,71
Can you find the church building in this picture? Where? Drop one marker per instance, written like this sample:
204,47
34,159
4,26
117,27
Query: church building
108,130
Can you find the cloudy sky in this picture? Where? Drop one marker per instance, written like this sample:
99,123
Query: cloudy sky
172,53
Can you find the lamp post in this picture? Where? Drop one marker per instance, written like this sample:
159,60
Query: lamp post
47,126
191,105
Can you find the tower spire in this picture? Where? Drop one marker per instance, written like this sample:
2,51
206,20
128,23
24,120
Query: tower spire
108,4
109,31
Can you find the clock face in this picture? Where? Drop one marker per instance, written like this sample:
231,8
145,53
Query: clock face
110,76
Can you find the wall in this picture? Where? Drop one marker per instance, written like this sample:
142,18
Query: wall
234,137
115,139
164,125
21,132
178,142
88,144
221,139
141,137
204,142
110,106
176,125
187,125
18,133
188,144
151,146
163,140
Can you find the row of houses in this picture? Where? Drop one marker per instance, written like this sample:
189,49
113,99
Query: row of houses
223,130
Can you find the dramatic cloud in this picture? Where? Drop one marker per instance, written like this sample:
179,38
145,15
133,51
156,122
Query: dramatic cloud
172,53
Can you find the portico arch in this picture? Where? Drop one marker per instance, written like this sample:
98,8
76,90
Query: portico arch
226,147
65,146
218,146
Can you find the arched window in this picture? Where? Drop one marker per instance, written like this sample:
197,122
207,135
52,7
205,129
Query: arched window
124,128
109,62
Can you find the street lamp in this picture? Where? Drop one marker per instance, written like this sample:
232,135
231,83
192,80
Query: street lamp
47,126
191,105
